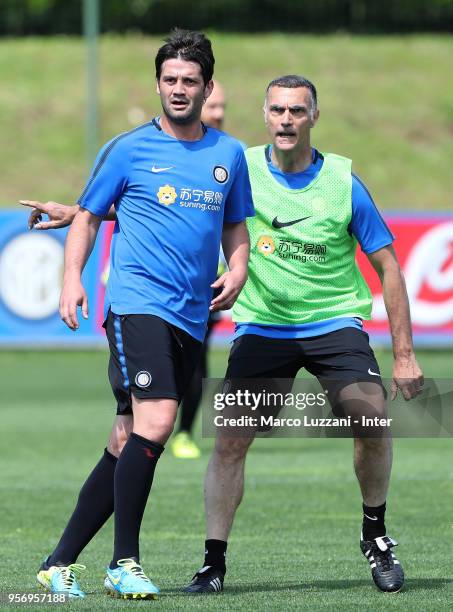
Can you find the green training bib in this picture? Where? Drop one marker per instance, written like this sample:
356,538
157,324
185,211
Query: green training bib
302,260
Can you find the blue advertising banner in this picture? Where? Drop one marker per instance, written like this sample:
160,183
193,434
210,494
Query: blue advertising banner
31,271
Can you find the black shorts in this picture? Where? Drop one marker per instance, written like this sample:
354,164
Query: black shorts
149,357
336,359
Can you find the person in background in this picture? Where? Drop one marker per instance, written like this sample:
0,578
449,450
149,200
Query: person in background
213,112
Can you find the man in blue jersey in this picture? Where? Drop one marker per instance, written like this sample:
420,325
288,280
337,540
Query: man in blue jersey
178,189
59,215
182,445
303,306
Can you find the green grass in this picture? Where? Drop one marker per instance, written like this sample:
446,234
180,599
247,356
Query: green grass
385,102
295,539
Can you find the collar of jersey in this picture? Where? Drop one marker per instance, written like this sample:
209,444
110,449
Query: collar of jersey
289,189
156,123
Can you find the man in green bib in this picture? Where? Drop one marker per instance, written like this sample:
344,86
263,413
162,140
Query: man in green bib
302,307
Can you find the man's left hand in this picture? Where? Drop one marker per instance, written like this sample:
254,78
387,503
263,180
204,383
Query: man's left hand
231,283
60,215
407,377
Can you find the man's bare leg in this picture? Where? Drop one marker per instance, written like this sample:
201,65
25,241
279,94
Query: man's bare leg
224,488
224,485
121,430
372,455
373,464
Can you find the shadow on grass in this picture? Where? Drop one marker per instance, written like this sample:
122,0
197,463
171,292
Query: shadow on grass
411,584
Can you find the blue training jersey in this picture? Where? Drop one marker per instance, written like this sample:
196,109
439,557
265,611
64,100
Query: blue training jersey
171,199
368,227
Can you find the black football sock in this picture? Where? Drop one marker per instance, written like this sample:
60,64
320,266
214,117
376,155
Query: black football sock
94,507
192,396
191,402
373,522
133,479
215,554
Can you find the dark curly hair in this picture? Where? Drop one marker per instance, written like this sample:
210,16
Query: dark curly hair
189,46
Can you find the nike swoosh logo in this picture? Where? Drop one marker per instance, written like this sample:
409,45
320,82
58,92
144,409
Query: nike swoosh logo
279,224
154,169
373,373
372,518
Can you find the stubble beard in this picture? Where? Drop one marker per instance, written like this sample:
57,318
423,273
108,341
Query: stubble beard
192,117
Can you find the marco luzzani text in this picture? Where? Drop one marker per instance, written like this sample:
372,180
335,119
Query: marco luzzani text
256,401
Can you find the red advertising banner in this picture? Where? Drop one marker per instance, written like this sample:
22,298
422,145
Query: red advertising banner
424,245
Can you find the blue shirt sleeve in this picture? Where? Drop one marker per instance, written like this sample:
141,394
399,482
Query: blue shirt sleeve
239,203
367,224
108,177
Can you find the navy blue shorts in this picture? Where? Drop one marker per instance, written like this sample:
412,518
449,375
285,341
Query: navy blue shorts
149,358
336,359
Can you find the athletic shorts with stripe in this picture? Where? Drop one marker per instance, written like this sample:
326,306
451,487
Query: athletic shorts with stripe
149,358
336,359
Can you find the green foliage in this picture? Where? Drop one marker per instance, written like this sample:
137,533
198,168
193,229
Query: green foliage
385,102
19,17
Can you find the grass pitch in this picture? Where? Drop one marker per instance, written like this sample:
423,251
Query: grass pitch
295,539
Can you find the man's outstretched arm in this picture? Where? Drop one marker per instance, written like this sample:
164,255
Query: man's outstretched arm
60,215
79,244
407,375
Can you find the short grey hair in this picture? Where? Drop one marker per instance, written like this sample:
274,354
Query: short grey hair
292,81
